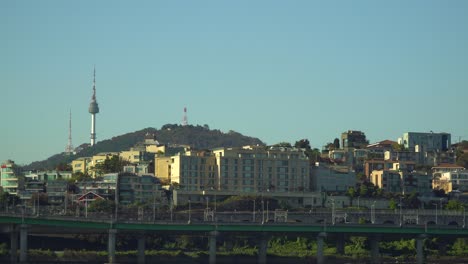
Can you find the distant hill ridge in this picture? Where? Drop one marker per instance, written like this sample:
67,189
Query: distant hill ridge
198,137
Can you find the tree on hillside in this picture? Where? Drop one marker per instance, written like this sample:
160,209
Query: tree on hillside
102,205
462,160
454,205
63,166
398,147
303,143
283,144
79,176
336,143
110,165
8,199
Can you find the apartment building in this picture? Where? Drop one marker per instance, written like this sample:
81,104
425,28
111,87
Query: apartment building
331,178
11,179
47,176
246,169
423,142
81,165
452,180
256,169
404,182
133,188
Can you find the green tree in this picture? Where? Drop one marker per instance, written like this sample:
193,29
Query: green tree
363,190
392,204
454,205
398,147
110,165
283,144
460,247
80,176
42,197
352,192
8,199
336,143
303,143
462,160
102,205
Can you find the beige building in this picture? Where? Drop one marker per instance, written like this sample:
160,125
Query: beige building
81,164
449,181
404,182
388,180
247,169
256,168
87,164
132,156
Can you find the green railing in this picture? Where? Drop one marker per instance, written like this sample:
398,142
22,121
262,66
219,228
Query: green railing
103,225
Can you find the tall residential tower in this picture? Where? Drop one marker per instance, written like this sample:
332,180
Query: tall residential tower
93,110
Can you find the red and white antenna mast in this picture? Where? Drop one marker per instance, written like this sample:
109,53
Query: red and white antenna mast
184,119
69,148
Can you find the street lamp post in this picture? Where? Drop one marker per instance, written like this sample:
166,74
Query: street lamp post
267,212
189,211
172,207
333,211
214,213
253,212
66,200
463,216
154,206
436,213
358,202
86,206
373,213
401,204
263,212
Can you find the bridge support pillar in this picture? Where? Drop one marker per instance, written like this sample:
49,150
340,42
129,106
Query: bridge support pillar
141,250
212,246
111,245
320,257
23,243
340,244
262,248
14,245
420,249
374,249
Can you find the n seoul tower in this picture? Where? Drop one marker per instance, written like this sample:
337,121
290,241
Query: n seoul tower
93,110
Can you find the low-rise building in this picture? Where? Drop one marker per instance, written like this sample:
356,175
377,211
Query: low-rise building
57,191
400,155
11,178
397,181
81,165
451,181
331,178
46,176
133,188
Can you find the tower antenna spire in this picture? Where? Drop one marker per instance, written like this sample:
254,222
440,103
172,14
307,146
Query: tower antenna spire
94,83
69,148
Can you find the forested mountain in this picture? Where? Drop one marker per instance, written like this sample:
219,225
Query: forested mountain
198,137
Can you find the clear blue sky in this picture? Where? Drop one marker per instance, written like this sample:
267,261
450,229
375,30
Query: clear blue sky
276,70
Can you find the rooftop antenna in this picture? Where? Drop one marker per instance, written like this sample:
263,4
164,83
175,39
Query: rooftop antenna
184,120
69,148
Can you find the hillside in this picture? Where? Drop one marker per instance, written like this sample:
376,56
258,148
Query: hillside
199,137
